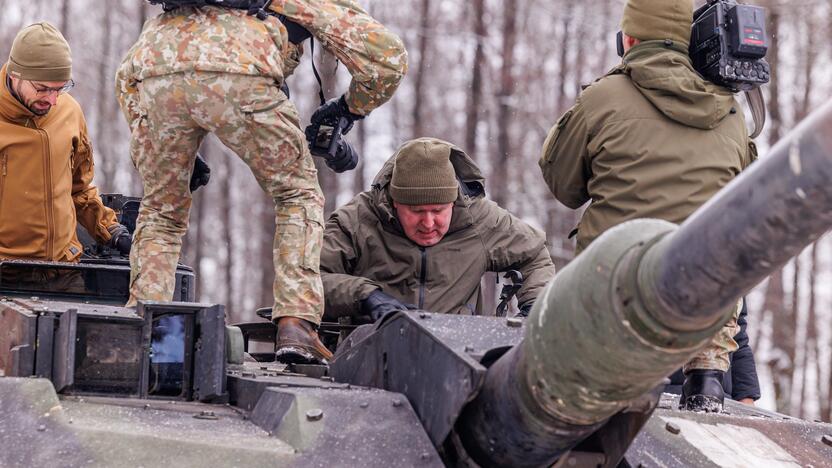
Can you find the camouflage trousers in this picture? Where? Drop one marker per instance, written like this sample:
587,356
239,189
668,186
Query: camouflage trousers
716,355
253,117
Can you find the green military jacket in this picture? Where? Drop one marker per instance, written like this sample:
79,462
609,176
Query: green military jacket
365,249
652,139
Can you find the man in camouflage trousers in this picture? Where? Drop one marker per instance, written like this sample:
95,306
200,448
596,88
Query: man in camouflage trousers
205,69
652,139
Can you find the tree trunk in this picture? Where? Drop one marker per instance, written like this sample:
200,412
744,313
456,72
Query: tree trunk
326,177
475,96
64,18
198,246
103,99
226,192
810,355
563,59
265,262
505,109
419,77
803,107
359,180
774,110
787,342
606,40
774,304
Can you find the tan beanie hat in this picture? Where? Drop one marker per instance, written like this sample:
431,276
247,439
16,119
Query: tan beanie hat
40,53
423,174
649,20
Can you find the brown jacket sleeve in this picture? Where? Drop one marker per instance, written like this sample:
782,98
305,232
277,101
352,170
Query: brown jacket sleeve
343,291
511,244
565,161
91,212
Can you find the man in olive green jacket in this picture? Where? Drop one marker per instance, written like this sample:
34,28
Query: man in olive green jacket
422,237
651,139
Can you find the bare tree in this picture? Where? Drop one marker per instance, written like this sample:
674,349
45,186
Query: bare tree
475,96
264,261
64,18
774,110
227,190
103,102
505,107
420,77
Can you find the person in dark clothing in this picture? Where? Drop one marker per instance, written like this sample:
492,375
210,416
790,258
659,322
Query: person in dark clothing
741,382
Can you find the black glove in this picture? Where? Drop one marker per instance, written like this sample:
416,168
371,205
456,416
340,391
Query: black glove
201,174
525,309
378,304
330,114
120,239
339,155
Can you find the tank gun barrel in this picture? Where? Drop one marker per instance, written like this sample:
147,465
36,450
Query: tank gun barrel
642,300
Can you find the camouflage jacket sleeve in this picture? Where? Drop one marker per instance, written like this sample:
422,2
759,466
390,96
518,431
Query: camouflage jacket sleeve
375,57
91,212
565,161
343,290
512,244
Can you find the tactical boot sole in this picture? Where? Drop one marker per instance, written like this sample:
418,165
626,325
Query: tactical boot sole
703,403
295,355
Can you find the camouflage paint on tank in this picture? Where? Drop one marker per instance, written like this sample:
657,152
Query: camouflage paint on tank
620,350
251,116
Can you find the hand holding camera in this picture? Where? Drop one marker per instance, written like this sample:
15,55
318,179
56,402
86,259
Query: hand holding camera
324,134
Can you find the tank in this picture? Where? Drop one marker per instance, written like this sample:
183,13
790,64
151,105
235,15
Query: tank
87,382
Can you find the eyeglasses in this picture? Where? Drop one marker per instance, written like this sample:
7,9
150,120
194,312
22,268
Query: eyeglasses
45,90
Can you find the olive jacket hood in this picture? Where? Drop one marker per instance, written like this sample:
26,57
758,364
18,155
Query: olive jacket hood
651,139
669,82
365,249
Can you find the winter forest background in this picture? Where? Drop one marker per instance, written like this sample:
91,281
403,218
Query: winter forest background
491,76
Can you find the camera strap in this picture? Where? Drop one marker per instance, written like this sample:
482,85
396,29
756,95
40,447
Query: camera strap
321,95
758,110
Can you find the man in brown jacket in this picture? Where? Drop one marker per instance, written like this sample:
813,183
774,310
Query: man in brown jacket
422,237
652,139
46,165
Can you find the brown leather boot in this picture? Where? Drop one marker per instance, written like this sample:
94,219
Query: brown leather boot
298,343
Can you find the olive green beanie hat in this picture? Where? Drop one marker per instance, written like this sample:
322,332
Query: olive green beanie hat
423,174
649,20
40,53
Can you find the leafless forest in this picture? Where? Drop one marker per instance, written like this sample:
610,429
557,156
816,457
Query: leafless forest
491,76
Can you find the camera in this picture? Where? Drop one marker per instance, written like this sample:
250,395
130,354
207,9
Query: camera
327,142
729,43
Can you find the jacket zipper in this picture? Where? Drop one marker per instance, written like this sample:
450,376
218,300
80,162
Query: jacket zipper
4,170
47,168
423,277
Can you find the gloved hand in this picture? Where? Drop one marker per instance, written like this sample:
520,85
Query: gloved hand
330,114
201,174
120,239
378,304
